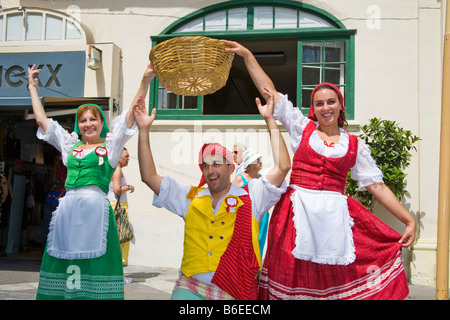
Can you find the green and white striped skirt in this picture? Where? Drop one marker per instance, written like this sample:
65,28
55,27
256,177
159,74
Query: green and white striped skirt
84,279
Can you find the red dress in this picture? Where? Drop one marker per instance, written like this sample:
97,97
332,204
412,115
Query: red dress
376,272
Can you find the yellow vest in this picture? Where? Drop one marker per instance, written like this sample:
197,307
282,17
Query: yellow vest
206,236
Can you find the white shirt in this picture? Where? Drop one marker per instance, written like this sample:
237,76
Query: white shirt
123,194
172,196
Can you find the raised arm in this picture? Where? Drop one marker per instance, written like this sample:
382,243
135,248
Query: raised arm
259,77
38,109
144,85
389,201
282,162
146,164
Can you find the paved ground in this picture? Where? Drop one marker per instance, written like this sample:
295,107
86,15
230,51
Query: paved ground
19,278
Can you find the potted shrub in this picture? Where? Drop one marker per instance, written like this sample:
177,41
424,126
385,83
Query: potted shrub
391,148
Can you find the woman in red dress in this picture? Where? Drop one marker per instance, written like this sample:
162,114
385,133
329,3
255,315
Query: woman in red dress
323,244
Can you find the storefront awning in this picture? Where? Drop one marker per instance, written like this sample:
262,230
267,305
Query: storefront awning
16,103
17,106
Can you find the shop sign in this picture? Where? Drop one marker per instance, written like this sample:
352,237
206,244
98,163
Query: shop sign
62,73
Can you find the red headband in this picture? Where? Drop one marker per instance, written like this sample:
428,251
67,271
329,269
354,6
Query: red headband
311,113
212,149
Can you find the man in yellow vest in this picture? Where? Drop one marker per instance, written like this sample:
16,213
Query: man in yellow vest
221,256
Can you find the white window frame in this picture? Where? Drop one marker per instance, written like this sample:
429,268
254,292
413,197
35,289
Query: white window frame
66,20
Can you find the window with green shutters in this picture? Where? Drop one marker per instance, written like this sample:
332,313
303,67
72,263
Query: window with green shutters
298,46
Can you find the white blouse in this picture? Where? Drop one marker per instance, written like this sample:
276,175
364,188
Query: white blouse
64,141
365,170
321,218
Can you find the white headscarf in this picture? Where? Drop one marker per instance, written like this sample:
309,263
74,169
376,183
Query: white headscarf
249,156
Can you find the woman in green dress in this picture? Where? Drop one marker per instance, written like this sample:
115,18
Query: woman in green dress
82,259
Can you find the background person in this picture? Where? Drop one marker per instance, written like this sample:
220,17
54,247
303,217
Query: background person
118,189
238,150
252,164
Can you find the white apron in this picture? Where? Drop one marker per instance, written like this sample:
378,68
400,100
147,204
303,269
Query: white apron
323,227
80,233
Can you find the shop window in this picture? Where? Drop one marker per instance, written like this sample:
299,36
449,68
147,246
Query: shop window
53,28
72,31
34,26
298,46
14,27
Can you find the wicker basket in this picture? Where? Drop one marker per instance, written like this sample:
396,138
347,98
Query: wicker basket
191,66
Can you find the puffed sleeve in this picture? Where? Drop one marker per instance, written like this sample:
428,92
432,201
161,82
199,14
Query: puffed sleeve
365,170
264,195
58,137
172,196
118,137
292,120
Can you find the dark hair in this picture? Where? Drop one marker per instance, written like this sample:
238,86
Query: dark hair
342,121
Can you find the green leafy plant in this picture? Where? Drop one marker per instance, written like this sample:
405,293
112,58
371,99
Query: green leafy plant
390,146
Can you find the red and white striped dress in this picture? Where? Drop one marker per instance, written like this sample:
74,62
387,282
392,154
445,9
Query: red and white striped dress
307,257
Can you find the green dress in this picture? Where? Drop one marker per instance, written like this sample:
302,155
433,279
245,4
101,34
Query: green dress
83,274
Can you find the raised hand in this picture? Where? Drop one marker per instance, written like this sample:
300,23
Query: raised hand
143,120
33,76
266,110
236,48
149,72
38,110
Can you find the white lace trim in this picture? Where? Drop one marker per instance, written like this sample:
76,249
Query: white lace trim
88,286
52,246
373,174
308,207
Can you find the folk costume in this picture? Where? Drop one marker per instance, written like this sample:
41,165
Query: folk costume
221,255
82,259
323,244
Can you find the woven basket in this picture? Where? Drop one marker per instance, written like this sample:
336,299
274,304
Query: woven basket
191,66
